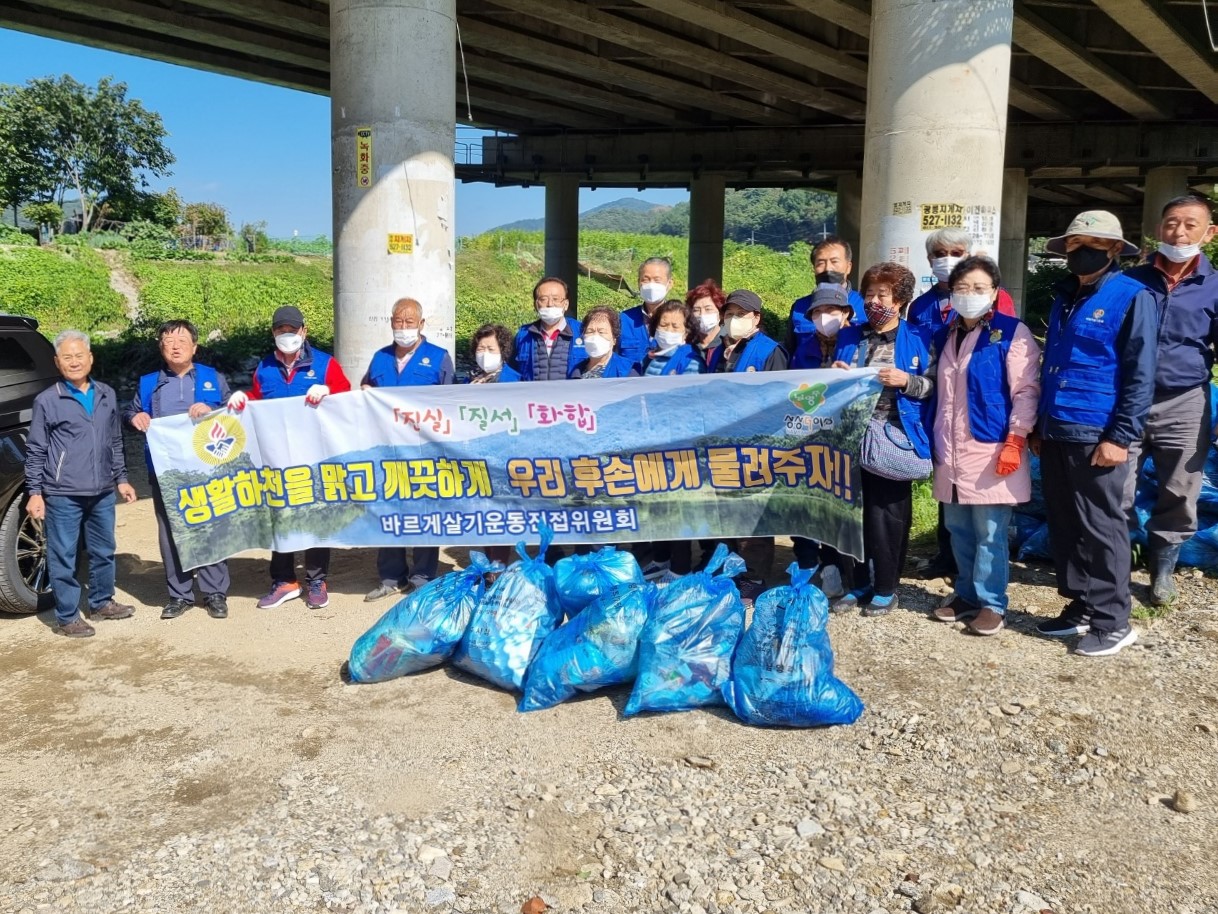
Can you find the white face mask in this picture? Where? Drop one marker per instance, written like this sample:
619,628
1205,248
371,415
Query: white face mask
942,267
972,305
1179,253
597,346
739,327
707,322
289,343
667,340
406,337
827,324
653,292
550,315
488,361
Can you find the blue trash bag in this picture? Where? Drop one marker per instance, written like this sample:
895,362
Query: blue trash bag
685,650
580,579
1201,550
597,648
782,671
512,620
423,628
1036,546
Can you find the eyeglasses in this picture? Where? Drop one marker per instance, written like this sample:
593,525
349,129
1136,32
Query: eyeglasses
976,290
550,299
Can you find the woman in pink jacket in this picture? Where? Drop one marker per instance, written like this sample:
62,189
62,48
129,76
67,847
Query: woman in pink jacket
987,390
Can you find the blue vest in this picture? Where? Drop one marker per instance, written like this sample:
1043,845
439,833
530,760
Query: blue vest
617,367
989,391
681,357
927,311
310,368
526,343
757,349
207,387
425,367
1080,374
803,329
911,354
636,338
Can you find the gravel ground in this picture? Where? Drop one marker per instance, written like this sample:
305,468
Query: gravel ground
200,765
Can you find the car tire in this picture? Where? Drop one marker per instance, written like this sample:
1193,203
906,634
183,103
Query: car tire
25,584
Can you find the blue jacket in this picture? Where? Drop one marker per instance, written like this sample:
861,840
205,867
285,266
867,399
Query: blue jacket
430,364
757,351
989,390
678,363
69,452
1188,326
210,388
912,355
531,350
507,375
800,329
311,367
618,366
1097,375
636,337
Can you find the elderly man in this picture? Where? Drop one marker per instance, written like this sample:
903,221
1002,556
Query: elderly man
550,347
180,387
409,361
1184,286
1097,380
832,264
655,284
295,369
73,466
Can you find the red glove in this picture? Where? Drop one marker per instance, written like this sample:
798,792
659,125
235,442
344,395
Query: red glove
1011,455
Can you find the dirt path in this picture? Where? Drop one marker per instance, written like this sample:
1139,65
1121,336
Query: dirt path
122,281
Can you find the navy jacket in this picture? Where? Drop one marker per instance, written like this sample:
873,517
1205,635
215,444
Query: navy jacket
1188,326
535,364
1097,375
69,452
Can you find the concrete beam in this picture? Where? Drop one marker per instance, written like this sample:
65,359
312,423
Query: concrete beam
735,23
656,43
542,112
274,14
1150,27
1035,35
843,13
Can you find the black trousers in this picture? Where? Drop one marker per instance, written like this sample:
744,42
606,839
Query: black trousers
810,554
887,517
181,584
943,537
1088,531
283,565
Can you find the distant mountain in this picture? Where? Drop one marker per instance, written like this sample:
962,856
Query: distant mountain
626,214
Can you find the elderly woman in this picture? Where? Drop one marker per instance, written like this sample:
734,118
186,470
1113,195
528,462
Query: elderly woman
706,302
492,350
602,335
671,328
896,448
987,392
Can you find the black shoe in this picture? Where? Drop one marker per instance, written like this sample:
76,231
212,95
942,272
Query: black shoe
1162,566
1105,644
174,608
750,589
936,567
882,608
217,605
1072,621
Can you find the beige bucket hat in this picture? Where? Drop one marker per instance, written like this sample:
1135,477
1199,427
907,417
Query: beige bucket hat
1098,223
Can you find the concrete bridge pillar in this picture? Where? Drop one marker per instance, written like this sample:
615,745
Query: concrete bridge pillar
1162,184
850,217
562,233
706,193
1012,250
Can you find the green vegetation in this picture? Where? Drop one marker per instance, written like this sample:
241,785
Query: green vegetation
66,287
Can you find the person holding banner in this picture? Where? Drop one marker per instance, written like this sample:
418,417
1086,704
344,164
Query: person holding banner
182,386
655,282
896,447
491,350
549,348
602,331
409,361
706,303
671,328
294,369
987,387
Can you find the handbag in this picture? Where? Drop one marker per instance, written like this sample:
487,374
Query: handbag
887,451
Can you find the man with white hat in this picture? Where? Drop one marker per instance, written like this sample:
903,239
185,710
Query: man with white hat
1097,381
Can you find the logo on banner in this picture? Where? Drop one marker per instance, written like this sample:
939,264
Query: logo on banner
808,397
219,440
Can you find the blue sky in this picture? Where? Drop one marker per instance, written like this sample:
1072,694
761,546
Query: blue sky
260,151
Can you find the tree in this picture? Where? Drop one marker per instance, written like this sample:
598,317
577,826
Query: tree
25,172
209,219
49,215
254,237
99,143
164,209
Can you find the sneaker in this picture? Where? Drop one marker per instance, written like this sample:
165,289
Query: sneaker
667,578
957,609
936,567
1105,644
987,622
77,628
418,581
654,570
384,590
317,596
174,608
280,594
750,589
881,606
1072,621
217,605
851,601
831,582
112,609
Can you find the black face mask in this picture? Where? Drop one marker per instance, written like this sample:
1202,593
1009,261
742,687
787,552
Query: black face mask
1084,261
831,276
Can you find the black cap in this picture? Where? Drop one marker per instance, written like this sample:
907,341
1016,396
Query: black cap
832,296
287,314
749,301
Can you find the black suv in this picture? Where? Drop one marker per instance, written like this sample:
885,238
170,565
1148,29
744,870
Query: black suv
27,368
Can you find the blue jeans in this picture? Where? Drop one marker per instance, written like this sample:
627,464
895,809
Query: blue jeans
66,516
983,558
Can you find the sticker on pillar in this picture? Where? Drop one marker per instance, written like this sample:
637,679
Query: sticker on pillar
903,208
981,222
363,156
942,215
401,244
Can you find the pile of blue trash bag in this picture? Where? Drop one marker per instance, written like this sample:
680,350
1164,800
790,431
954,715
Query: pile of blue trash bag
782,671
581,579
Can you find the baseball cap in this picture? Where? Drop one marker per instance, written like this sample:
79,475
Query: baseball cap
288,314
749,301
1098,223
831,296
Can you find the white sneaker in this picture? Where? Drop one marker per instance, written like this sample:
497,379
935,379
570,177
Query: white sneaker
655,570
667,578
831,582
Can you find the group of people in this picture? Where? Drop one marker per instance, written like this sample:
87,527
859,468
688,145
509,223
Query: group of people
966,393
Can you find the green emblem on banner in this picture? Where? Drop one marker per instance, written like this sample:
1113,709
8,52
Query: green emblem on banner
808,397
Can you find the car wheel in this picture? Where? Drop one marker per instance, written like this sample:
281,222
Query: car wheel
25,584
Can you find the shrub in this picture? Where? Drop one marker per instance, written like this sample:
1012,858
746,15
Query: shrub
10,234
61,288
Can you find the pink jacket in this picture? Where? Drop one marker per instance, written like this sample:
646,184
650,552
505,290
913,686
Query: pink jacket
961,460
